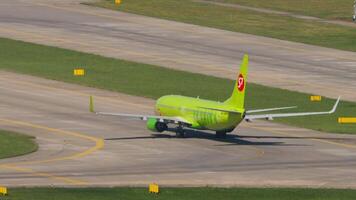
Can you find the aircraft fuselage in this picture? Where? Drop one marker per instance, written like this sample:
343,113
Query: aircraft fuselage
202,114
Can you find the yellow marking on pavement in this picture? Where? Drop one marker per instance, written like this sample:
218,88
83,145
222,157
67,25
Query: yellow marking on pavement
349,146
279,132
99,144
48,175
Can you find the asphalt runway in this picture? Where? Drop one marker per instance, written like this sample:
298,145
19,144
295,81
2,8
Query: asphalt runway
68,24
78,148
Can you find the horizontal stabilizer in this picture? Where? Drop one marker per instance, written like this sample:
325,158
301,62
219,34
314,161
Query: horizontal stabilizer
270,109
279,115
221,110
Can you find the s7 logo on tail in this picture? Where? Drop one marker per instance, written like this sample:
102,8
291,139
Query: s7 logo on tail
241,83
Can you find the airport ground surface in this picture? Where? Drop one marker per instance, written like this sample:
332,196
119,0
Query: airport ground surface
278,12
193,48
77,148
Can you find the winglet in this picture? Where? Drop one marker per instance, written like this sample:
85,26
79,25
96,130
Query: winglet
335,105
91,104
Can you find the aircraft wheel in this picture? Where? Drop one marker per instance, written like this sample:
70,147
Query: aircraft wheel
160,126
180,132
220,134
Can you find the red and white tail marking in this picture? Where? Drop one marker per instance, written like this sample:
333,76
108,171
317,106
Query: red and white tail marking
241,83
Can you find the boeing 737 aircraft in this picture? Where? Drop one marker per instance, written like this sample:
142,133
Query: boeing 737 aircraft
195,113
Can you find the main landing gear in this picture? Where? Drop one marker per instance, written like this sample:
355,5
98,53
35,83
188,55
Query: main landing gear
160,127
180,133
220,134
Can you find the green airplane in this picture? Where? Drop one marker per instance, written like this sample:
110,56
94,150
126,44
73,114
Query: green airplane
196,113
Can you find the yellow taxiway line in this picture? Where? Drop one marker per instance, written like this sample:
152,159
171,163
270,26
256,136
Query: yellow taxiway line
47,175
99,144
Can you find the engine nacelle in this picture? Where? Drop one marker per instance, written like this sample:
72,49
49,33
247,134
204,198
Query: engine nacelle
156,126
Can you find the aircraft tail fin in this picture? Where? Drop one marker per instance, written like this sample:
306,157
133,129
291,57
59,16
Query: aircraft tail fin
237,98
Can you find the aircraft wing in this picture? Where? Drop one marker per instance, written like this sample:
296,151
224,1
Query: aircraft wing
249,111
172,120
279,115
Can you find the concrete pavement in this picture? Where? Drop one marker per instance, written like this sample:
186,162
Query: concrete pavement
78,148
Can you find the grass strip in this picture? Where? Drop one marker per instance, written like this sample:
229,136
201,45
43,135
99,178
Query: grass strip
329,9
205,193
15,144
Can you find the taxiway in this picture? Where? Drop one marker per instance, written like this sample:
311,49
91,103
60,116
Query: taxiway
78,148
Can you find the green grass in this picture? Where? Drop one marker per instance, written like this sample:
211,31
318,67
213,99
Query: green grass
15,144
245,21
330,9
179,193
153,82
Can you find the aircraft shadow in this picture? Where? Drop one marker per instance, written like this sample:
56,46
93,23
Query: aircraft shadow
232,139
195,134
292,137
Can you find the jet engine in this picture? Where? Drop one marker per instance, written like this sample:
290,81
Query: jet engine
156,126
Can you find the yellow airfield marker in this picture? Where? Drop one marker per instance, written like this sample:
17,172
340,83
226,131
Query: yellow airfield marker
347,120
3,190
153,188
315,98
117,2
79,72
